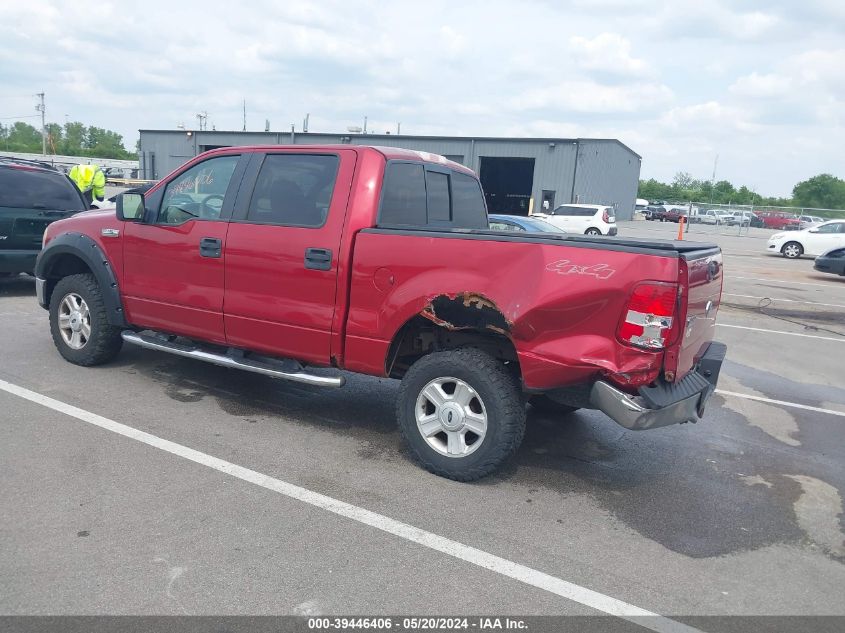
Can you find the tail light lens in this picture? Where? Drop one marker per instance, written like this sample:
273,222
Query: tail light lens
605,217
650,318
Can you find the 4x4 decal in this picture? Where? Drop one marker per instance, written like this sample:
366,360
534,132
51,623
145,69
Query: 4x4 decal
566,267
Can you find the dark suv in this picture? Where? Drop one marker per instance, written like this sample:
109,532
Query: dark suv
32,195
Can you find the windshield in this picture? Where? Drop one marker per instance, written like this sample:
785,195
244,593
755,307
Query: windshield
30,189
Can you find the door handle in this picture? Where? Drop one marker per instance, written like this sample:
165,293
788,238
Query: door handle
211,247
318,258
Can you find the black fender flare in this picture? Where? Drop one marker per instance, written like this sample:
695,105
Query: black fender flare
86,249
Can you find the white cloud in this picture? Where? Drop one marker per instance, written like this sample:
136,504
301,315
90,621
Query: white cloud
678,82
583,95
761,86
607,52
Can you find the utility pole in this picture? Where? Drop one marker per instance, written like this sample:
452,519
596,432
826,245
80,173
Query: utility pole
244,115
713,178
305,122
43,110
365,125
398,128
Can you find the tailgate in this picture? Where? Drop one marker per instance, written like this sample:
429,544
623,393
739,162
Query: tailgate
701,281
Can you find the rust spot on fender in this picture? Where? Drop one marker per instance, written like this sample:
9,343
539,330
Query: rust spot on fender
466,311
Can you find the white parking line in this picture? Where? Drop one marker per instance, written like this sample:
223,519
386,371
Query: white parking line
783,281
759,329
783,403
812,303
502,566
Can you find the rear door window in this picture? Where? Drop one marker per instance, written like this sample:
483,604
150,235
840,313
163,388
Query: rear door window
416,196
404,197
294,190
35,189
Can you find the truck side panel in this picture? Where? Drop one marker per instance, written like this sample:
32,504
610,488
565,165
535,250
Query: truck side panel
561,304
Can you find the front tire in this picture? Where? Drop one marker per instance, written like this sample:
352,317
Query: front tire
792,250
78,322
460,413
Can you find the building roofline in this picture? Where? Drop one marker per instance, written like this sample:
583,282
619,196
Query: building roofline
406,136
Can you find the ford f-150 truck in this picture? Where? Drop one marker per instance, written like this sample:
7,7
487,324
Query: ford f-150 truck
279,259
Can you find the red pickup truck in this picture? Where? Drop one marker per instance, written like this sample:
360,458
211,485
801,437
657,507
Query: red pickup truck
380,261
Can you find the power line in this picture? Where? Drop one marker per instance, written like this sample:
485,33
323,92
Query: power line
26,116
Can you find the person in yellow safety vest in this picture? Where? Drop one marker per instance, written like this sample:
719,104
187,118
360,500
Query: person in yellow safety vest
90,180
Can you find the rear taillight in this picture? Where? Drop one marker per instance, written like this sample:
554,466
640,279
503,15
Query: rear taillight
650,317
605,217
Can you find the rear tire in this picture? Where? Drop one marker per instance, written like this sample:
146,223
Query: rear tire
592,231
445,397
792,250
78,322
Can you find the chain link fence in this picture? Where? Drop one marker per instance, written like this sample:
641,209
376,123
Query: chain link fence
742,219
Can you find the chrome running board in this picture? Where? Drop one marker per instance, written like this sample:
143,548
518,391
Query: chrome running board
267,369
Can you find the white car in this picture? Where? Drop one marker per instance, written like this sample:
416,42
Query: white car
812,241
713,216
590,219
807,221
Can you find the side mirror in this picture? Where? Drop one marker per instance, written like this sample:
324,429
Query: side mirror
814,230
130,207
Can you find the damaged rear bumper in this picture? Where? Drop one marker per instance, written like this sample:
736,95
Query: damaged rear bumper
666,403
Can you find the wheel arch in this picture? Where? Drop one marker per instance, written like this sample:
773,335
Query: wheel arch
75,253
452,322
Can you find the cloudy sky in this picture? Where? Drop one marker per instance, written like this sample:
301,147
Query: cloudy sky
760,83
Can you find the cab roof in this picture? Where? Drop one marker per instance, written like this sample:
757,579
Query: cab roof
390,153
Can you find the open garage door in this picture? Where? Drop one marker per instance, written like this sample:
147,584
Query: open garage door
507,183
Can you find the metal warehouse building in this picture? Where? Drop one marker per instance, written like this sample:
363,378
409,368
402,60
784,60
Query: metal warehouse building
516,173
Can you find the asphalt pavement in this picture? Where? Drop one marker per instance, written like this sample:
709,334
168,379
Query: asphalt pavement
739,514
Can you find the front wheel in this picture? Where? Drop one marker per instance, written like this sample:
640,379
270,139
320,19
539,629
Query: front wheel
792,250
78,322
461,413
592,231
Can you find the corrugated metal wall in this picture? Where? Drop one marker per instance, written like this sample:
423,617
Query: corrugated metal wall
607,171
608,174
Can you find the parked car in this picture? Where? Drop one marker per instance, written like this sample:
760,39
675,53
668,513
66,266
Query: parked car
674,213
813,241
654,212
529,224
32,195
806,221
833,261
590,219
742,218
275,259
712,216
779,220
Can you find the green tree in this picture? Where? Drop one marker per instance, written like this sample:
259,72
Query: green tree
23,137
54,138
74,138
105,144
822,192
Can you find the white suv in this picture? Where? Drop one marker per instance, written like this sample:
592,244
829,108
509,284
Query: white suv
590,219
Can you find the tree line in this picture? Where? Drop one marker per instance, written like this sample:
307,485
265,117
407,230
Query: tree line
821,192
71,139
